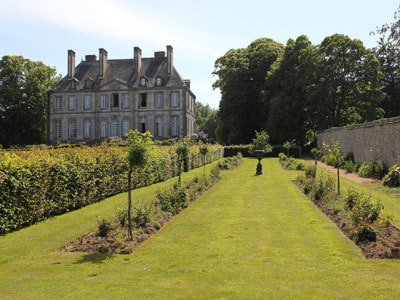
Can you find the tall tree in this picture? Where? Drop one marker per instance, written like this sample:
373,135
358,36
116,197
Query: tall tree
241,78
23,100
206,120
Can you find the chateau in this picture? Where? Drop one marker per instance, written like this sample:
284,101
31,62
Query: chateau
105,98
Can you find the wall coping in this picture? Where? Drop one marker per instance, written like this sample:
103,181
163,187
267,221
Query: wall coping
379,122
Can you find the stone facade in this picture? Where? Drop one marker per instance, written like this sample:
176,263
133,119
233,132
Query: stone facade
102,99
378,139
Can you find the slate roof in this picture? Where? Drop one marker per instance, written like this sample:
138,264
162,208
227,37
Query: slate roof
123,70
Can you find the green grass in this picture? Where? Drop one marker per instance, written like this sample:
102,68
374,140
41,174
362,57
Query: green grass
247,238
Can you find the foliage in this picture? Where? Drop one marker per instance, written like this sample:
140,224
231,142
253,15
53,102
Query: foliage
38,184
316,153
322,187
391,179
282,156
142,215
311,171
372,168
23,100
260,142
364,211
182,153
335,158
138,144
365,233
230,163
349,166
206,120
104,226
288,145
241,78
245,150
291,163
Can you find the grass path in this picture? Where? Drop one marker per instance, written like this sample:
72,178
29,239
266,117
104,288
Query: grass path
247,238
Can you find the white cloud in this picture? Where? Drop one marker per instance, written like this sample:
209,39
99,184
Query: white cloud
110,18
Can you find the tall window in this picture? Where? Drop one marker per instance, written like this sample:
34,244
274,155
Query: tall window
72,102
158,100
57,129
88,129
104,101
115,100
174,126
72,132
143,100
158,127
114,128
125,127
125,100
158,81
103,129
142,125
57,105
174,99
87,102
143,81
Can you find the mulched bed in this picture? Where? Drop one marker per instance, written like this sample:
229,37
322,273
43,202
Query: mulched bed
387,244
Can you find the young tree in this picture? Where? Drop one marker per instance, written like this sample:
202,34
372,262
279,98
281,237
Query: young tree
182,150
317,154
334,149
260,142
204,151
23,100
287,145
138,144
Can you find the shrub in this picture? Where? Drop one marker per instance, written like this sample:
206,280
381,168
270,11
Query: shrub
330,160
348,166
322,187
308,186
104,226
122,216
349,157
364,211
372,168
215,172
282,156
351,199
392,179
173,199
311,171
142,215
364,233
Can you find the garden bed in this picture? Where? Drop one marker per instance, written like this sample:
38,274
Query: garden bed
377,237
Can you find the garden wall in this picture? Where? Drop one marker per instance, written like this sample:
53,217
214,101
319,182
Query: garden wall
377,139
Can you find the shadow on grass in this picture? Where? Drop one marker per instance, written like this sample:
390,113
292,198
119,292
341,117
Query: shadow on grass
94,258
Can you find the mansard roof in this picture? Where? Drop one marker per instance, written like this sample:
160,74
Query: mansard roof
123,70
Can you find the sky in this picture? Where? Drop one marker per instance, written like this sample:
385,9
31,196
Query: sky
199,31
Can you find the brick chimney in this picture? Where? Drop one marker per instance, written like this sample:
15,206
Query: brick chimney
102,62
90,58
137,56
170,53
187,82
71,63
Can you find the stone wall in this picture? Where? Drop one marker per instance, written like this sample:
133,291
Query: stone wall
378,139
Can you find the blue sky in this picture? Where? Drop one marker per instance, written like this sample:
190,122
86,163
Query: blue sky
199,31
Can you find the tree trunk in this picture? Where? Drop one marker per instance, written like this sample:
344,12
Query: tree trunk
338,181
130,206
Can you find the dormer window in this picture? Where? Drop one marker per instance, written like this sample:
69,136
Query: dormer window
143,81
88,83
73,85
158,81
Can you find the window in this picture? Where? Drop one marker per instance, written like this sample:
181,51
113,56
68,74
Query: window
115,101
158,100
143,81
87,102
125,100
57,129
158,81
89,83
88,129
143,100
142,125
103,129
125,127
57,104
72,132
174,126
174,99
104,101
72,103
114,128
73,85
158,128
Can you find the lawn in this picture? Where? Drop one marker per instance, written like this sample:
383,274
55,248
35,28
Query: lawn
247,238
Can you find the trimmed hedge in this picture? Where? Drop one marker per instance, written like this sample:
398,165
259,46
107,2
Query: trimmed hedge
244,149
38,184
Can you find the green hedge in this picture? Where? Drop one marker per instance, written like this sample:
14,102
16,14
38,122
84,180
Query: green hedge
244,149
37,184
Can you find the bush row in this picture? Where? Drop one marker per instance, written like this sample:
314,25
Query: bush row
232,150
37,184
290,163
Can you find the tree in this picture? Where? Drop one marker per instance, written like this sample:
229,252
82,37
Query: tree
138,144
241,78
204,151
289,144
23,100
317,154
182,150
260,142
334,149
206,120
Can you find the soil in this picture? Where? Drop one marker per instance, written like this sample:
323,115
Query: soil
349,176
387,244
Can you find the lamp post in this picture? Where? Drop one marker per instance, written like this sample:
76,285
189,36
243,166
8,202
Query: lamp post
259,165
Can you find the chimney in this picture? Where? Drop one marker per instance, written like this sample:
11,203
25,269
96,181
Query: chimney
187,83
170,59
102,62
90,58
137,56
71,63
159,54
